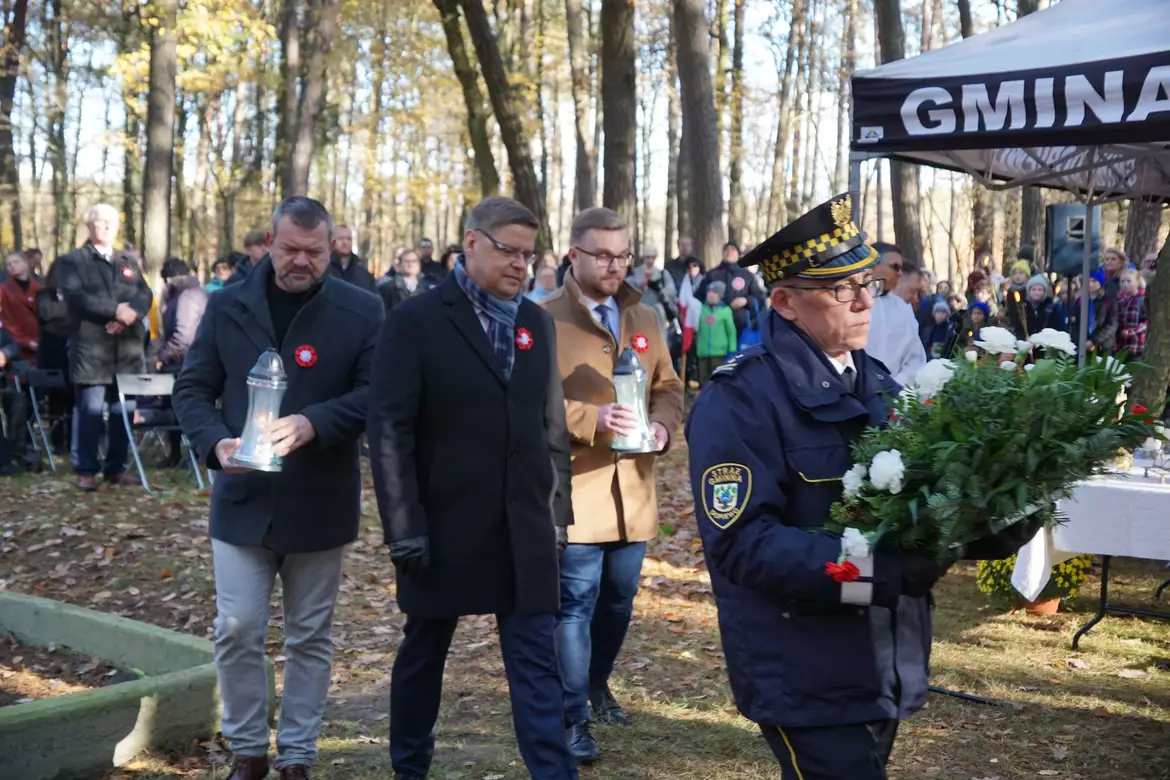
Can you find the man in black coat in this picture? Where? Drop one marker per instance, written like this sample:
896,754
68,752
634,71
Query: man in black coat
294,522
471,465
107,300
345,264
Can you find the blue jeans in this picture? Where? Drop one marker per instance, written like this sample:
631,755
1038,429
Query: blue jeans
598,585
88,425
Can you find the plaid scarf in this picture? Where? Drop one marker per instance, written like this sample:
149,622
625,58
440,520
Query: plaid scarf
501,315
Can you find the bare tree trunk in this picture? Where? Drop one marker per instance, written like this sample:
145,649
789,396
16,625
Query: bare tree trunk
1032,200
673,127
477,113
812,98
1141,229
848,65
1152,375
507,113
700,128
586,174
14,40
370,178
290,93
58,54
323,17
719,41
966,23
777,204
182,206
1010,247
735,216
620,106
160,139
904,177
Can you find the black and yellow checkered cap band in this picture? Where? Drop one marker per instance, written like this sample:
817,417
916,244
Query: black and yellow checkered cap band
804,258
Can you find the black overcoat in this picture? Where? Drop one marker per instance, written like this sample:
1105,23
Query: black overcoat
313,504
478,463
93,287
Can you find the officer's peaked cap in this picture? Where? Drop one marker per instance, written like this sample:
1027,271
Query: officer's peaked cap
822,244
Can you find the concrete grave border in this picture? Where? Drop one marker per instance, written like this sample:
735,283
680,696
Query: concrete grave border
86,734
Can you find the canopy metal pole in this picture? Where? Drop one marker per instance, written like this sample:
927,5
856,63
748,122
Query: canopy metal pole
1087,262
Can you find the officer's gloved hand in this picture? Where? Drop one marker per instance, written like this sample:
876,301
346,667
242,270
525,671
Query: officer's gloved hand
920,573
562,538
412,556
1007,542
904,574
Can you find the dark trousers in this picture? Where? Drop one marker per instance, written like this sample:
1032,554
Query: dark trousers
707,365
856,752
528,645
88,426
598,585
53,354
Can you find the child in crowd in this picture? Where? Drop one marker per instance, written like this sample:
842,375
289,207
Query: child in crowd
936,337
717,337
1132,315
1102,325
977,316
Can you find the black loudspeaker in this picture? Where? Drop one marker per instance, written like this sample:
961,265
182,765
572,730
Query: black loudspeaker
1065,232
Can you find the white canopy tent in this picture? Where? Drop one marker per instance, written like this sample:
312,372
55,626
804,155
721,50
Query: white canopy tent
1075,97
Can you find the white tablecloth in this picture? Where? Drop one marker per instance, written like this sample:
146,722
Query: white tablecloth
1108,515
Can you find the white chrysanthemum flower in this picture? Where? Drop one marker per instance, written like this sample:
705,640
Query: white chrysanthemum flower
997,340
887,470
971,355
1152,446
854,479
1029,367
933,377
1023,346
854,544
1050,338
1008,365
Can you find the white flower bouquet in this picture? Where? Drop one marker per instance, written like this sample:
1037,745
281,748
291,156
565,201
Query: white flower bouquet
976,445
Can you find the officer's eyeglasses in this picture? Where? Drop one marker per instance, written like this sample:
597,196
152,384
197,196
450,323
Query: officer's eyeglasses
508,251
848,292
605,259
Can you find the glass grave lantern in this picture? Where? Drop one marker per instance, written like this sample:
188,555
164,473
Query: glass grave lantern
631,384
266,385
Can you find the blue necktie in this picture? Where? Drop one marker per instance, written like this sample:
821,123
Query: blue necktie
606,322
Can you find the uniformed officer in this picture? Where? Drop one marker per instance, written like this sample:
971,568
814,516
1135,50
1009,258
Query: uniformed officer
826,669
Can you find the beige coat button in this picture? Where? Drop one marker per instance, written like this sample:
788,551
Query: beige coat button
606,349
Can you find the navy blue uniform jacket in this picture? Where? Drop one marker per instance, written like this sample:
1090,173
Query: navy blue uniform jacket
769,442
314,503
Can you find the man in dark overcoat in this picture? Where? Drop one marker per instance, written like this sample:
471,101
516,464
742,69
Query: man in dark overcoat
107,299
295,522
346,264
826,665
471,465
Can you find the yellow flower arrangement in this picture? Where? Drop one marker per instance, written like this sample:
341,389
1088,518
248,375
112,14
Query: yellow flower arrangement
994,578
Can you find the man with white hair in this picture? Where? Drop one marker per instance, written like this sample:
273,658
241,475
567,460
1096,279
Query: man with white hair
659,291
107,298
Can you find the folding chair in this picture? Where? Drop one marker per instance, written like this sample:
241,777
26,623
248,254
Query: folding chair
35,381
159,385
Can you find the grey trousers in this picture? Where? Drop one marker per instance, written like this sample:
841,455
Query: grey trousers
244,578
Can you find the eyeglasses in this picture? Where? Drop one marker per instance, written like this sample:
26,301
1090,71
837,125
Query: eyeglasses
509,251
605,259
896,267
849,291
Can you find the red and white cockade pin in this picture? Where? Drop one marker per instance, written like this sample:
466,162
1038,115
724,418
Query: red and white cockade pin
523,339
640,343
306,356
128,272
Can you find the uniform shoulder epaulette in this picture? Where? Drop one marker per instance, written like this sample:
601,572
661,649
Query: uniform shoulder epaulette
738,359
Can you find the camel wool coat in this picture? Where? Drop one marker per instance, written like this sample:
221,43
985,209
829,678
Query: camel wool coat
614,496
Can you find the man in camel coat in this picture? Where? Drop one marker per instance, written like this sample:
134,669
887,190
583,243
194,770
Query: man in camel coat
597,315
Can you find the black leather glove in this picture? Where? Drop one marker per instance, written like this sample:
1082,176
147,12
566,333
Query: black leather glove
919,574
412,556
1007,542
562,538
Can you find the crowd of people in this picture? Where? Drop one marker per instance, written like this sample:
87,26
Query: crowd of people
483,384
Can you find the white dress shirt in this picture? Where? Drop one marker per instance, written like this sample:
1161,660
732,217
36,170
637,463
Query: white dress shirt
614,313
893,338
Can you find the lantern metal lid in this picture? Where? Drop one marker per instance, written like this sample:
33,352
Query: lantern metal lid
629,365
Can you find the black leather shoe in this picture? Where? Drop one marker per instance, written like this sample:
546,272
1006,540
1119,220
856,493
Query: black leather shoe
401,776
582,743
606,709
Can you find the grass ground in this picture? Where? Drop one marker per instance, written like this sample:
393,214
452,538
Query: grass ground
1099,714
